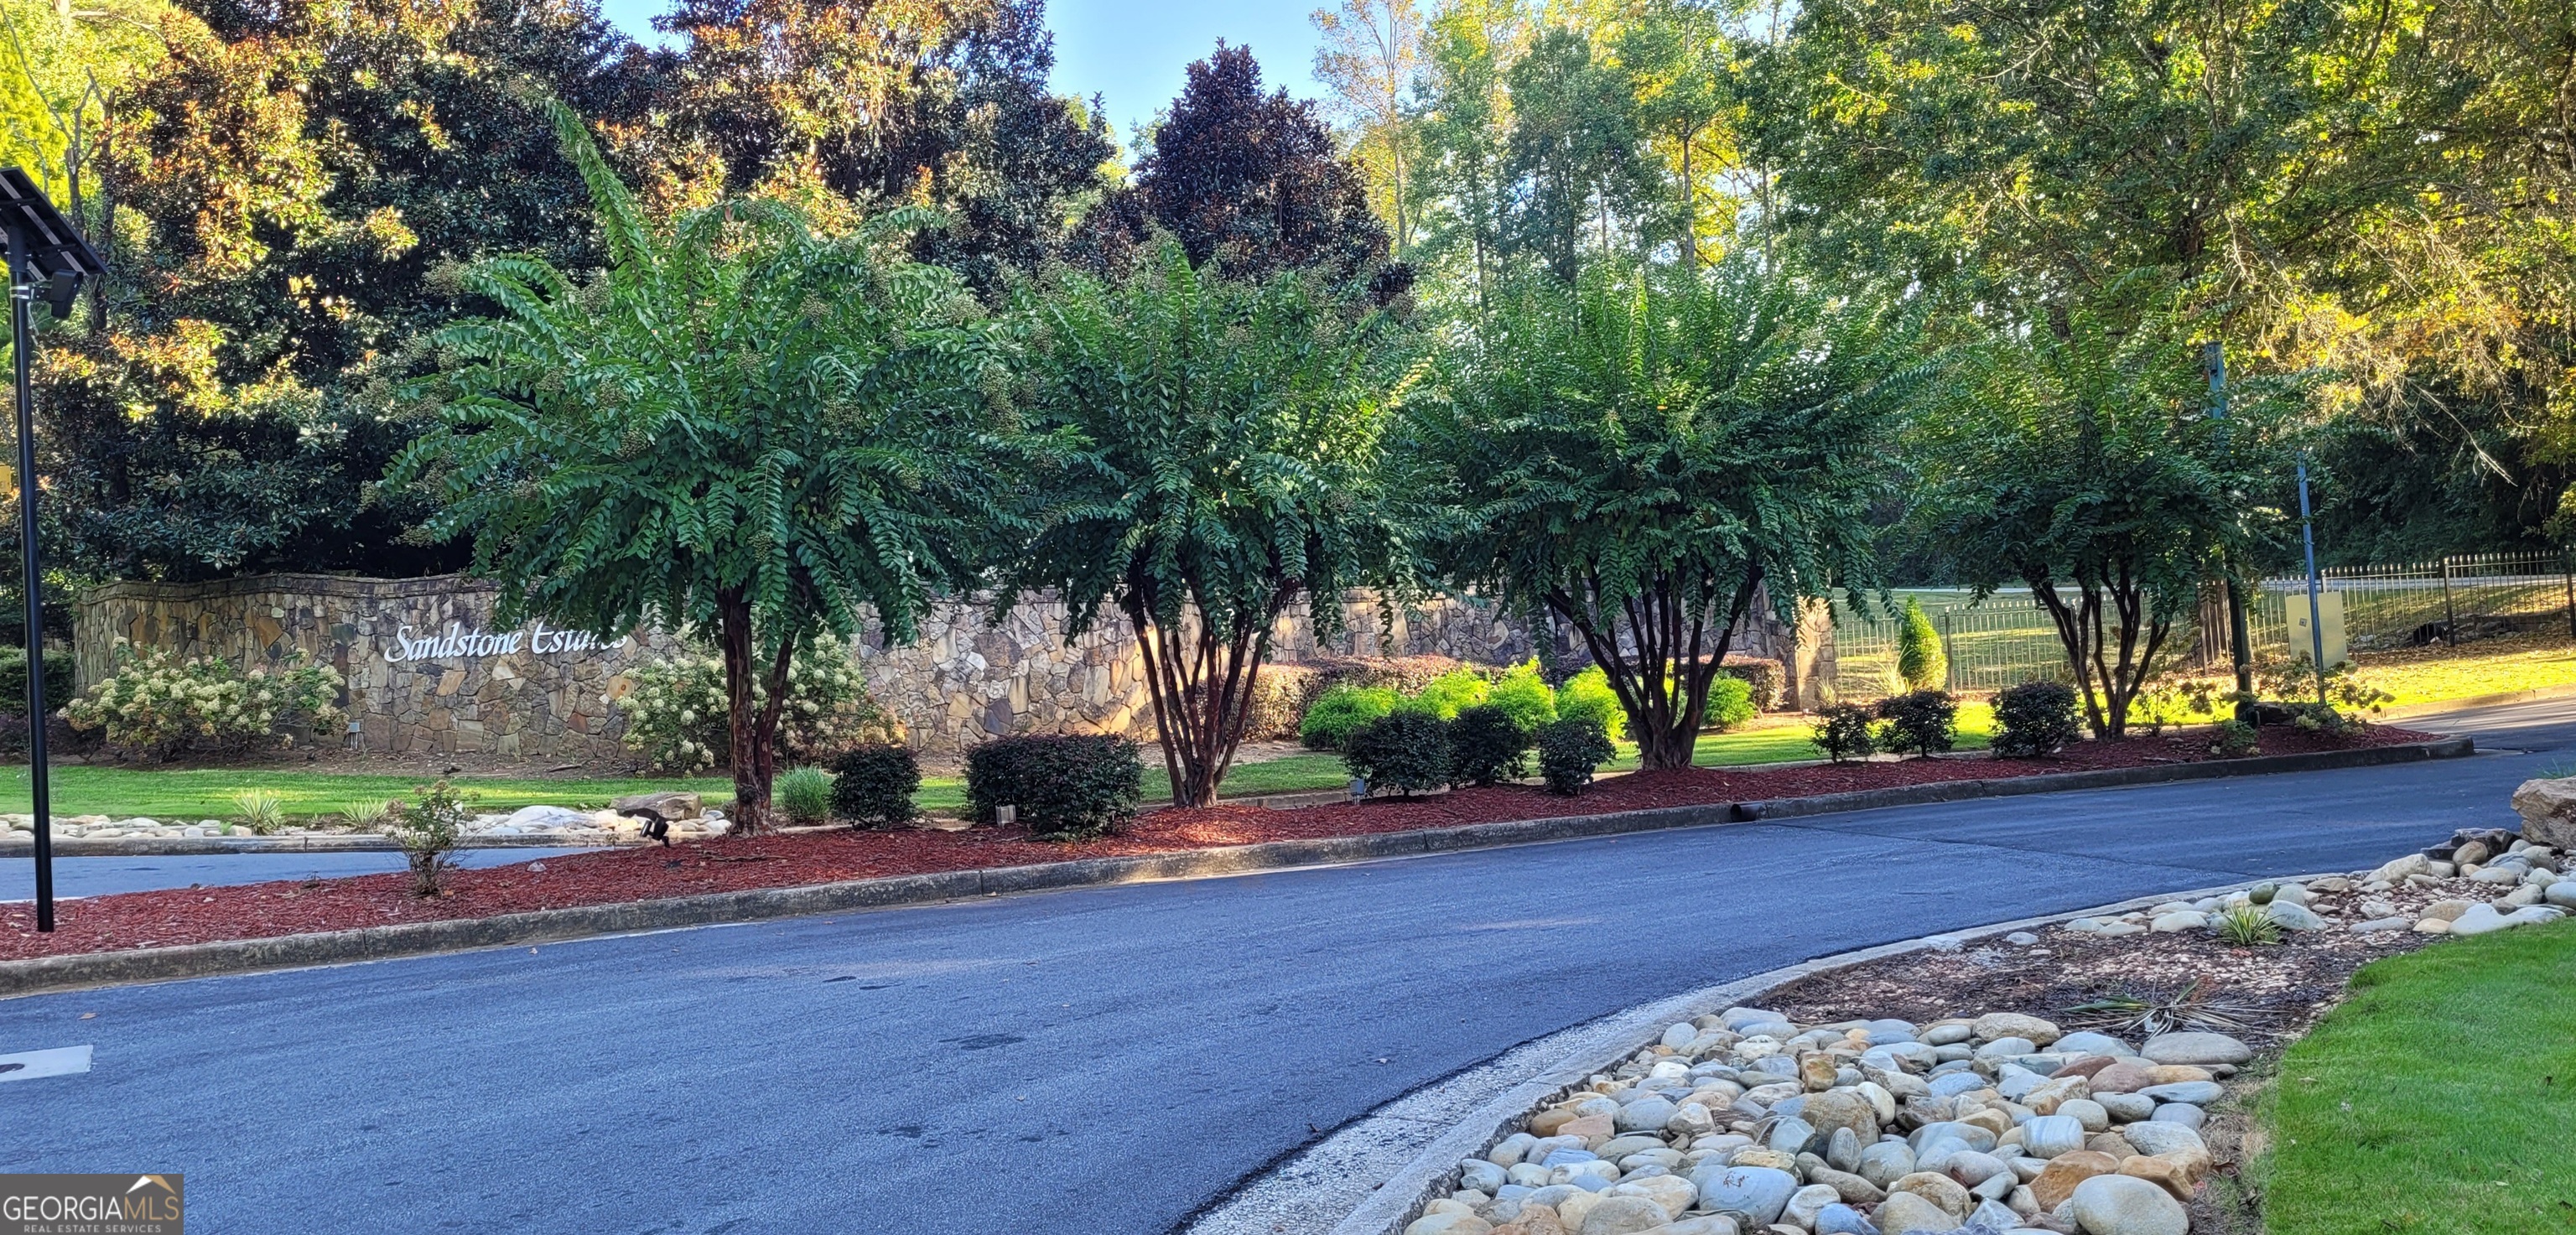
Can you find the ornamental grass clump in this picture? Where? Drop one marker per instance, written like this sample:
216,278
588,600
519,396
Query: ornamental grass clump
156,705
2246,926
804,795
260,811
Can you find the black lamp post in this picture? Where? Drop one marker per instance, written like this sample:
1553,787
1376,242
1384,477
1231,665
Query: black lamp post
44,249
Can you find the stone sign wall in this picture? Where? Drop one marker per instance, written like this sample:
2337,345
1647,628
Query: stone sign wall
427,673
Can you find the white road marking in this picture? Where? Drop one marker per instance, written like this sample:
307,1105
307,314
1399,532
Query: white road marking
60,1061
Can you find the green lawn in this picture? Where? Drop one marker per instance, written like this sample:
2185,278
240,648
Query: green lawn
2483,667
207,793
2441,1097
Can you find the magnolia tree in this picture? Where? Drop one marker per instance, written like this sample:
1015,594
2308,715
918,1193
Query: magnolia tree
1224,450
741,427
2083,464
1651,453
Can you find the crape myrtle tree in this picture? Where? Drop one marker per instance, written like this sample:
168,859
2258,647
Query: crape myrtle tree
1651,453
1226,469
2080,461
741,427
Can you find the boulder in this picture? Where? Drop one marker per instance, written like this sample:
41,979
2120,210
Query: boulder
2548,810
671,804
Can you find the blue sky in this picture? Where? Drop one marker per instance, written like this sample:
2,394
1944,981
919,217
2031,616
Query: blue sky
1132,51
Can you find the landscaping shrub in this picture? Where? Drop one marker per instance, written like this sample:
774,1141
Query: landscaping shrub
13,679
677,716
261,812
1845,731
1454,692
2247,926
1922,721
427,828
1526,696
2323,718
2230,738
2035,719
1281,695
804,795
873,784
1340,712
1403,751
1919,658
1587,696
1069,787
1730,702
1770,685
157,705
1569,750
1488,744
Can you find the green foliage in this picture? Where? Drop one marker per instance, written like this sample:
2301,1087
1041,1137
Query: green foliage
13,678
742,427
2246,926
1919,658
1488,744
1224,443
157,705
805,795
428,827
1524,696
678,718
1404,752
259,811
1066,788
2295,680
1770,687
1587,697
370,816
1923,721
1845,731
2034,720
873,785
2086,468
1647,453
2233,738
1569,750
1340,711
1730,702
1453,692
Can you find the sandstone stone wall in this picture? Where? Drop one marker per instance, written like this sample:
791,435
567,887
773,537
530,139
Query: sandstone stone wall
427,673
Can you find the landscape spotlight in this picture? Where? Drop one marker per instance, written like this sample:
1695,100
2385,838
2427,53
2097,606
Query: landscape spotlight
44,248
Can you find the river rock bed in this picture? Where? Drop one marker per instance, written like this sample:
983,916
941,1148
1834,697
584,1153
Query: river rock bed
622,823
2056,1081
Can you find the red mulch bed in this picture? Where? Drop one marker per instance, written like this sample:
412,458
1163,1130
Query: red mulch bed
289,907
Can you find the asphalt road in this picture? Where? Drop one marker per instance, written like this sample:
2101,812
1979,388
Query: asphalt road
1095,1062
99,876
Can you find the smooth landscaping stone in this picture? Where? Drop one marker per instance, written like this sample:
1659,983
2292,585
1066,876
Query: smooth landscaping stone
1843,1220
1757,1194
1907,1214
2090,1043
2049,1136
2157,1137
2183,1113
2124,1205
2293,917
2197,1093
2195,1048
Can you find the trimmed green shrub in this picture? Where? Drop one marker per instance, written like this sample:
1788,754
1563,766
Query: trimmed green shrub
1525,695
1845,731
1770,685
1919,658
1587,696
1069,787
1342,711
2231,738
1454,692
1923,722
1569,750
13,679
873,784
804,795
1487,744
1406,751
1730,702
427,828
2035,719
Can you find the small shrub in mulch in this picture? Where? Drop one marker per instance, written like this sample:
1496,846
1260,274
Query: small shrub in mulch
1063,787
873,784
2035,720
1406,752
1487,745
1569,751
1924,722
1845,731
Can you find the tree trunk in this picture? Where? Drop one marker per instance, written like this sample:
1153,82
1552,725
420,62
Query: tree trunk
754,725
1663,685
1201,684
2109,686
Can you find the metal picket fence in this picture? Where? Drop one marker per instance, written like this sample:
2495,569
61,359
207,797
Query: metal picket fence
2008,638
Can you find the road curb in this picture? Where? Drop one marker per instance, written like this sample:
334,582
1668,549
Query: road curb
1620,1035
40,975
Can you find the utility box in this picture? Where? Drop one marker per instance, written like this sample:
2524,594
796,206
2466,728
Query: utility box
2329,621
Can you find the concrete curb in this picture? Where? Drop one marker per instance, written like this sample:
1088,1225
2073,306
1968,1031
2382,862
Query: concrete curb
1615,1038
55,973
